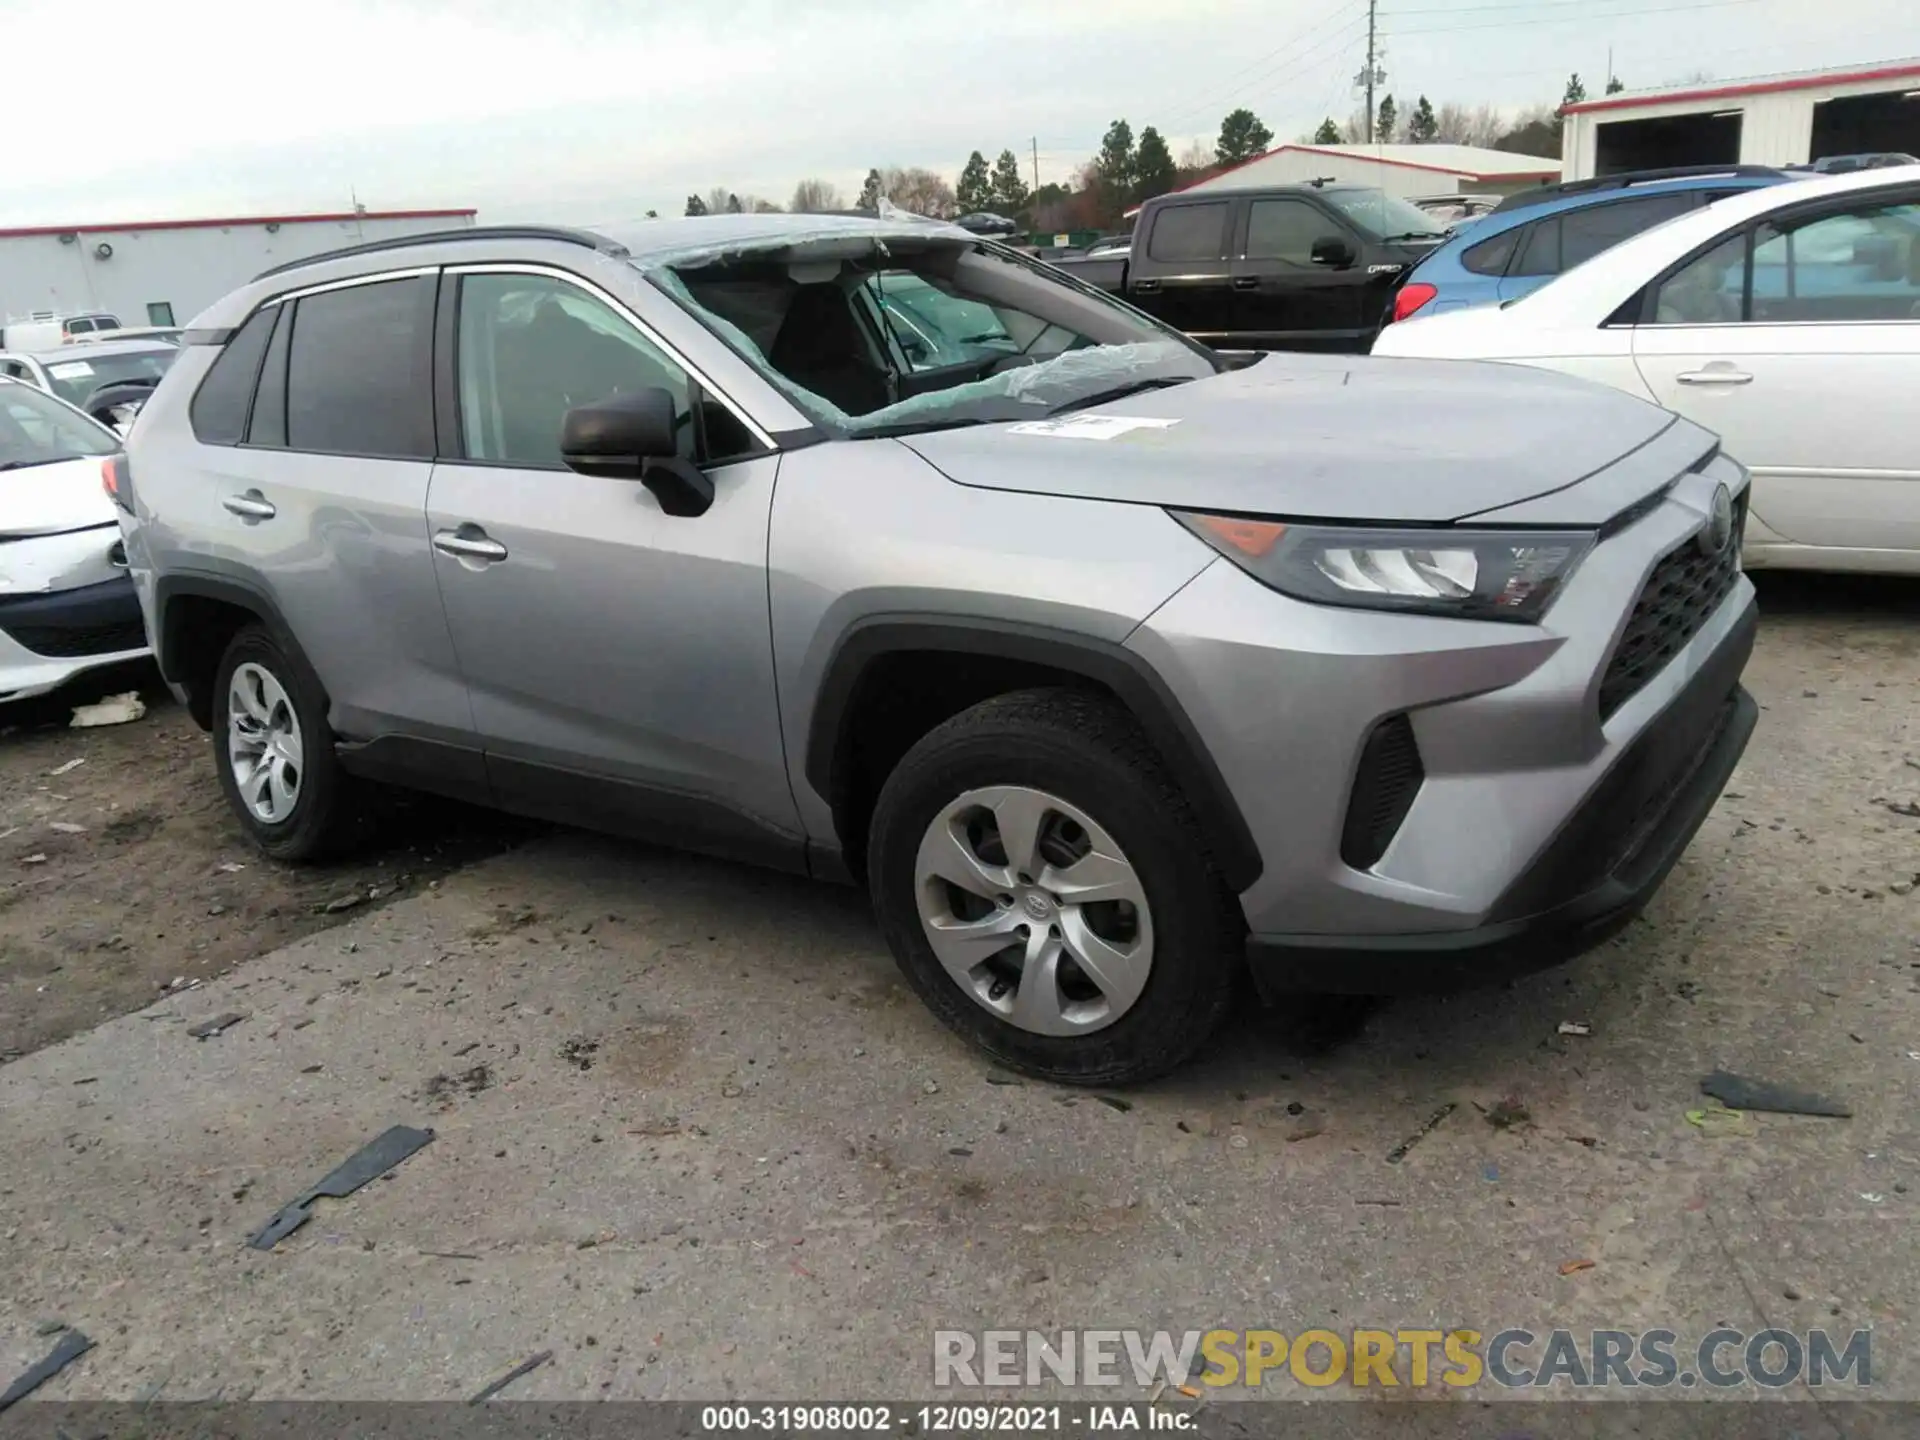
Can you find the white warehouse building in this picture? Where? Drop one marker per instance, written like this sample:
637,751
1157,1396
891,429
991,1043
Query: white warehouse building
1769,120
164,272
1411,171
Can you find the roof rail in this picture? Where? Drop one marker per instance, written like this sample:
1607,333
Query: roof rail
1625,180
473,232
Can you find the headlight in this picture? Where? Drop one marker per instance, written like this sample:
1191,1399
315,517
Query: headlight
1469,574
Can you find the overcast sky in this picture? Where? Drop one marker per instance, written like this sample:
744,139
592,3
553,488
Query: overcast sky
585,110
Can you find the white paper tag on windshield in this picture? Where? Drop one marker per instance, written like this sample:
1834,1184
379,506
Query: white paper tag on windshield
1089,427
70,370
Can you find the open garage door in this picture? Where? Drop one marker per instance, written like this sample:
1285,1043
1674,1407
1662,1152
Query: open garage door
1867,124
1704,139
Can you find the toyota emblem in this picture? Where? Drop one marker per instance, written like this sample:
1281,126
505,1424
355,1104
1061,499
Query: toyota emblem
1717,533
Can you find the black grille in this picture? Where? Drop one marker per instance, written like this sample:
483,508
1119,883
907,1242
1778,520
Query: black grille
1685,588
66,641
1389,777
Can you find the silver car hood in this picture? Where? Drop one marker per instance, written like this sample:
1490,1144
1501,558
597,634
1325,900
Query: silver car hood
1340,437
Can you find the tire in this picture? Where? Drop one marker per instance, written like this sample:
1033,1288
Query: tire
1087,753
325,816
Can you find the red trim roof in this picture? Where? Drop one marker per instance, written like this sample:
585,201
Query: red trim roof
222,224
1752,87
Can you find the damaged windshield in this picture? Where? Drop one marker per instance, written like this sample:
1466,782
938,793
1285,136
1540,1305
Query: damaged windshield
874,335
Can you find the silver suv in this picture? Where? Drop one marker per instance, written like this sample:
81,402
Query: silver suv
1114,668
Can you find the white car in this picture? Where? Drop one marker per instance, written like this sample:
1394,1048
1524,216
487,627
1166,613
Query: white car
1787,320
67,604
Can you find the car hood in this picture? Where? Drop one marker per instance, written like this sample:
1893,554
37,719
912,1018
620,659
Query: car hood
1333,437
53,499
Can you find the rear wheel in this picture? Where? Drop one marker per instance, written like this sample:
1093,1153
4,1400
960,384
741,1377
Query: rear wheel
1048,893
274,753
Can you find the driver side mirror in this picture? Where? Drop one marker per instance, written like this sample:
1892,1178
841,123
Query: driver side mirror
636,437
1332,251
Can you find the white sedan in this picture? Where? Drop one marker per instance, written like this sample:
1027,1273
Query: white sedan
1787,320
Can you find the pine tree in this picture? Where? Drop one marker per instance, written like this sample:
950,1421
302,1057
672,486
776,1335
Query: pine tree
1328,133
1242,137
733,205
695,205
1424,127
1154,170
870,192
1009,190
1615,85
1576,92
974,192
1385,128
1113,169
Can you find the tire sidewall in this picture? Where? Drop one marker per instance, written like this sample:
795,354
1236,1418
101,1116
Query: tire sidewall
297,836
1192,952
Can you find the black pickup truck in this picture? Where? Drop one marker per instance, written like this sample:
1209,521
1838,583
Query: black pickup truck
1290,267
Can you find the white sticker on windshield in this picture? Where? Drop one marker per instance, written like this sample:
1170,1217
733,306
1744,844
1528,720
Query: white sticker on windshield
1089,427
70,370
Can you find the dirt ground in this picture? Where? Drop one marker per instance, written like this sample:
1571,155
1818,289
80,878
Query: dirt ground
125,873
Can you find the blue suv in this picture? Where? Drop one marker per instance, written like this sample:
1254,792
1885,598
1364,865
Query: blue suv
1529,238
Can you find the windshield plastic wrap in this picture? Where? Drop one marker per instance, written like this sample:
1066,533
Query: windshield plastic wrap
1043,385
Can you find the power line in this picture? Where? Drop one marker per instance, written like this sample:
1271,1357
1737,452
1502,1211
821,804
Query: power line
1305,33
1585,17
1344,34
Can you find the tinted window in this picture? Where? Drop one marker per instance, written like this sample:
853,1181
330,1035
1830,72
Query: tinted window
1539,250
75,380
1859,264
219,409
1285,230
1490,257
1190,232
1585,233
269,423
531,348
1707,290
357,371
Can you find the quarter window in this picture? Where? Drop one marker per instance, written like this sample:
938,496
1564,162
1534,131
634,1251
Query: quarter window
219,409
1285,230
358,371
1189,232
1490,257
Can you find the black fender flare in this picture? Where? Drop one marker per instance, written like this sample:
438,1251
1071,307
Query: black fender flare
1113,667
169,618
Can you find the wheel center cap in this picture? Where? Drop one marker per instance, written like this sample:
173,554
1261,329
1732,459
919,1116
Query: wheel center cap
1038,905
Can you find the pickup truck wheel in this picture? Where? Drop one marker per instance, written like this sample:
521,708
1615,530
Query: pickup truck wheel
1048,893
274,753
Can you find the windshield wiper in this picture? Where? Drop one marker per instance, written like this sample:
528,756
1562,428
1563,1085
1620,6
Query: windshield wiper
1414,235
29,464
915,427
1120,392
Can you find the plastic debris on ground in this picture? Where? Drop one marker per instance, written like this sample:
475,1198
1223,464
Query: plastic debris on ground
69,1348
1575,1027
114,710
1737,1092
366,1164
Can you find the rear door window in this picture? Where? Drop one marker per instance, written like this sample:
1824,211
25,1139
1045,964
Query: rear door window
1190,232
219,409
1585,233
359,371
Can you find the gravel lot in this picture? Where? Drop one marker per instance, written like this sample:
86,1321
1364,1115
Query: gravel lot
695,1138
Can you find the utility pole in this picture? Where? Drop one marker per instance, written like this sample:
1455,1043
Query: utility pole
1036,162
1373,12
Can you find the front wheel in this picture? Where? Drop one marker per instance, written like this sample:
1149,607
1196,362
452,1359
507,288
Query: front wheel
1047,891
274,753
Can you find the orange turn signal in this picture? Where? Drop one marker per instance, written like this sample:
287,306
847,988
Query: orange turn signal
1252,538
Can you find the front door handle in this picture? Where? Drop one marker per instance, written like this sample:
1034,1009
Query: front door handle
1246,282
1715,375
250,506
1145,287
469,542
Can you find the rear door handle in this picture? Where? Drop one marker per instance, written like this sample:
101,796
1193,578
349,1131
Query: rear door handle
1246,282
250,506
469,542
1715,375
1146,287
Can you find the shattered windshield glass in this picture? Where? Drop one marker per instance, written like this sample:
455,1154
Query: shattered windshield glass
889,334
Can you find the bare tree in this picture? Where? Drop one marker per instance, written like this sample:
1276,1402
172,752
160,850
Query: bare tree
1457,125
815,197
919,191
1197,156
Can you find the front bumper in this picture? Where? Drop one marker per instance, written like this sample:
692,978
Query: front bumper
48,639
1607,862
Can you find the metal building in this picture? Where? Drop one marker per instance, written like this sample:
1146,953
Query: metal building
164,272
1402,169
1768,120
